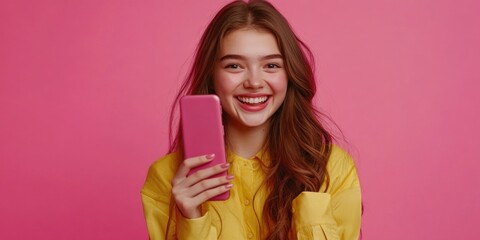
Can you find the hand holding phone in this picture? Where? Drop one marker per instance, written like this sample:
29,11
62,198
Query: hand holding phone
202,176
191,191
202,132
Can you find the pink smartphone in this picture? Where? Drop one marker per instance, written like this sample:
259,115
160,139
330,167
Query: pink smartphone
202,132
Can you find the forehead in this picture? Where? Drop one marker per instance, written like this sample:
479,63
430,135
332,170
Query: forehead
249,41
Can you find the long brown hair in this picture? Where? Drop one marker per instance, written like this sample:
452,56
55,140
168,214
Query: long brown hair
298,144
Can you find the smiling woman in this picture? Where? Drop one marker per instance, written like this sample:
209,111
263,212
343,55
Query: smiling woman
250,79
286,178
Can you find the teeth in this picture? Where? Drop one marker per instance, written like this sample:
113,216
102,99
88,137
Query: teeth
253,100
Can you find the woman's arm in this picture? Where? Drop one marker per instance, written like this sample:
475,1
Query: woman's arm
336,213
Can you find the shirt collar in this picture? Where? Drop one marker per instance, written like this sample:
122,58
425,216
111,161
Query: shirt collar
261,156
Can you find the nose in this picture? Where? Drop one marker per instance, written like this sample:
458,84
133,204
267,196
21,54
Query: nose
254,80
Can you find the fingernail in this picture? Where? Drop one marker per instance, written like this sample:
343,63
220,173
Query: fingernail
229,185
210,156
225,165
229,177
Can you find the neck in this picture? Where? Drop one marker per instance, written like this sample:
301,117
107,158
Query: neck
245,141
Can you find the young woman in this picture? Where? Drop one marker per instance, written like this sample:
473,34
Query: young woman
286,178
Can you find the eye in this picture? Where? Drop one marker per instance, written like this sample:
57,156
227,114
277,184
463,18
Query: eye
273,65
234,66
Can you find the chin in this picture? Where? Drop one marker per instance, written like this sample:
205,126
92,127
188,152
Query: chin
253,123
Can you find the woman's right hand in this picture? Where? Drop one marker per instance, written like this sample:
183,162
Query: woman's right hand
189,192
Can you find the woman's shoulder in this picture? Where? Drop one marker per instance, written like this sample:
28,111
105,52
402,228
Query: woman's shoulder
165,164
341,170
160,174
339,158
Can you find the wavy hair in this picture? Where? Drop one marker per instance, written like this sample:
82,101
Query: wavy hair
298,145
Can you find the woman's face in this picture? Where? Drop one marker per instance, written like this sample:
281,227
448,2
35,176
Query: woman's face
249,77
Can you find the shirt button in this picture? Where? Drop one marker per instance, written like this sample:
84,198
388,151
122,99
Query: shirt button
247,202
250,235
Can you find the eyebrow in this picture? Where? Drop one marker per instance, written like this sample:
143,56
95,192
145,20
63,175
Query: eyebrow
240,57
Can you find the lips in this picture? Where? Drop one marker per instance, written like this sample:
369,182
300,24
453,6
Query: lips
253,103
252,100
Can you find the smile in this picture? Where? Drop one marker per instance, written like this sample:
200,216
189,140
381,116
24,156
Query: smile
253,100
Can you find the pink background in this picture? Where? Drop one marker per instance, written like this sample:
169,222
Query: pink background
85,88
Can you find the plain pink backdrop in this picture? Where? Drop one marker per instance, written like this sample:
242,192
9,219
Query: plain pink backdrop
85,89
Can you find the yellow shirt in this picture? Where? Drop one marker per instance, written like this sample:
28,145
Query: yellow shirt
334,214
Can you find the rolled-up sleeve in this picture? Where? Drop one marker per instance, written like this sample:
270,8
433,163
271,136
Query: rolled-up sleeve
334,214
194,229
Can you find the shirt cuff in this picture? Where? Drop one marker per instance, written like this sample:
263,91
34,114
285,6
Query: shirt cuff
195,228
312,208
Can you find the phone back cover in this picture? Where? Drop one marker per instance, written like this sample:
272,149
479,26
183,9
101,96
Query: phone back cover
202,129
